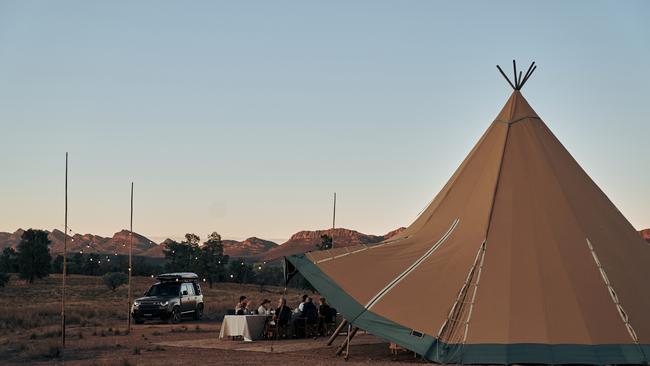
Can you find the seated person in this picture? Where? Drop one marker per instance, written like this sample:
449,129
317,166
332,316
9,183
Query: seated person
304,300
309,311
282,313
324,310
242,306
264,308
308,315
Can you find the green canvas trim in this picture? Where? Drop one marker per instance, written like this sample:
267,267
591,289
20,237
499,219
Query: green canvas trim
434,350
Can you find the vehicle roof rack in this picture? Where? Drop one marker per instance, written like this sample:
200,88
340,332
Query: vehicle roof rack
177,276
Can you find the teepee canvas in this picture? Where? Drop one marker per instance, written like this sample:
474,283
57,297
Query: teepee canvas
520,258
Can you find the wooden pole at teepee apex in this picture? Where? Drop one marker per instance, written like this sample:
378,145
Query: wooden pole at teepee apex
333,221
128,313
65,255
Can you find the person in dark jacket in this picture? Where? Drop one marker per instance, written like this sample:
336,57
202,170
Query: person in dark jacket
282,313
307,316
326,315
309,311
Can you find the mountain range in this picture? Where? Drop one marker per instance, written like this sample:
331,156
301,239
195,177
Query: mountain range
254,249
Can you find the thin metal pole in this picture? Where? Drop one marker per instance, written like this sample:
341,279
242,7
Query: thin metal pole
333,220
65,262
128,313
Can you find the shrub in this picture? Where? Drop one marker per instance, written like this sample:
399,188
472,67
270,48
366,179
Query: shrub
4,279
114,280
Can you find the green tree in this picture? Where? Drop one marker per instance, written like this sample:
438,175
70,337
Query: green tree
76,263
241,272
173,256
57,264
212,262
268,275
34,255
91,265
9,260
114,280
325,242
183,257
192,242
4,279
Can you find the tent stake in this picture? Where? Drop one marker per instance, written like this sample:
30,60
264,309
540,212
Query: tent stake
337,332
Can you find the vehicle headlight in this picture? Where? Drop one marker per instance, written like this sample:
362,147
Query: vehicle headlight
136,303
164,303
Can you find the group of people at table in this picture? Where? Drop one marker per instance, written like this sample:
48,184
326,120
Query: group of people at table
306,315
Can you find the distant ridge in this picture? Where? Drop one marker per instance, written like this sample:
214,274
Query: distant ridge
252,248
306,241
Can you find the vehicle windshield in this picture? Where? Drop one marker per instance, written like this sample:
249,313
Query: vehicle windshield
164,289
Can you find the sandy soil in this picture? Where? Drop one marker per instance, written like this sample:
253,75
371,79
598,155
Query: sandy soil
197,343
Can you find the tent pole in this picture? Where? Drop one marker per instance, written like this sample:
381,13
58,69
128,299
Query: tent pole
337,332
346,341
333,221
505,77
65,265
128,312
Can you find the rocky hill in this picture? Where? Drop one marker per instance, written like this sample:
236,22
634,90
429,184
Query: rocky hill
88,243
252,248
305,241
645,234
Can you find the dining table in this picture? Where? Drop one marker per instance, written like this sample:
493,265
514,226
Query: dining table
249,327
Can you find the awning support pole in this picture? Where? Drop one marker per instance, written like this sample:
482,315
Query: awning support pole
346,341
337,332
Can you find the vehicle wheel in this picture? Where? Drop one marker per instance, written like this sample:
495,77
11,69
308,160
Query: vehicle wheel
175,317
198,313
138,321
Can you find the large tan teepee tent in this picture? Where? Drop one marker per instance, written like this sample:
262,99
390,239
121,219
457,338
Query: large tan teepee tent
521,258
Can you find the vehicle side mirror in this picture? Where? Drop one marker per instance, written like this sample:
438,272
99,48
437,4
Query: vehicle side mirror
185,293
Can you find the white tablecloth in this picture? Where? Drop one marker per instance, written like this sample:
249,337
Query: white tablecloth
250,327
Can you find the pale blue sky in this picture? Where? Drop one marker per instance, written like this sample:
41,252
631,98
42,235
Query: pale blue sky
244,116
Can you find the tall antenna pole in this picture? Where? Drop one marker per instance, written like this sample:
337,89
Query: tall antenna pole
65,256
333,220
128,314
